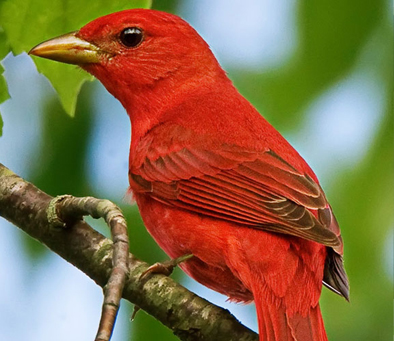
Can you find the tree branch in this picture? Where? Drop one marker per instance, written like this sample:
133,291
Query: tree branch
64,211
190,317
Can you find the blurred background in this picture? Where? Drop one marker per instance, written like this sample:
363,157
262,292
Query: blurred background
320,71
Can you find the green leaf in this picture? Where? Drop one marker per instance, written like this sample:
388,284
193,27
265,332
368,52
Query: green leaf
3,93
27,23
4,49
3,86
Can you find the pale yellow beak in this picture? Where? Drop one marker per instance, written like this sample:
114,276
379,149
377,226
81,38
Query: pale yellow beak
68,48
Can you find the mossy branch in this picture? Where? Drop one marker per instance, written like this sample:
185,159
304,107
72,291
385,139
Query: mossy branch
189,316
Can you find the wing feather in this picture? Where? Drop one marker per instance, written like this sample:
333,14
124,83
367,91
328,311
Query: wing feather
257,188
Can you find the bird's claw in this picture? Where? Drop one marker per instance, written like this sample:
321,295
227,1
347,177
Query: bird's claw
165,268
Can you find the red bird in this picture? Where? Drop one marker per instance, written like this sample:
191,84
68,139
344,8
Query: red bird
210,175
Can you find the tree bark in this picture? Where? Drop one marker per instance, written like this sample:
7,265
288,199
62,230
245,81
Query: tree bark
189,316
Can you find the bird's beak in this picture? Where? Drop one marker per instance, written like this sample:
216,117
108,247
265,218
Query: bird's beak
69,49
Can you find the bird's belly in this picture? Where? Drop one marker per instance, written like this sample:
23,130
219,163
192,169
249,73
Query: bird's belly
231,258
179,232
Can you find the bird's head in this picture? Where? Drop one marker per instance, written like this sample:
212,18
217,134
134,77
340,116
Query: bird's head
134,49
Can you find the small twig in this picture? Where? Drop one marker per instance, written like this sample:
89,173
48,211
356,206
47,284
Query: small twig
66,209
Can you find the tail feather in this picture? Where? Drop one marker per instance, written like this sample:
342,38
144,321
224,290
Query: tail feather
308,328
275,324
335,277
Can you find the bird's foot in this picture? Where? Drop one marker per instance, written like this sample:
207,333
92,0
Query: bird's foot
165,268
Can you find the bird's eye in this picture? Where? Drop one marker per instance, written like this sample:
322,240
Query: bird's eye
131,36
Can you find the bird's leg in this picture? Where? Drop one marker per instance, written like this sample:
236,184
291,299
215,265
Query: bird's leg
166,267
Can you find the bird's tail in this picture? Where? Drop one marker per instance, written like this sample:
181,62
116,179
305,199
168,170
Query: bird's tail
275,324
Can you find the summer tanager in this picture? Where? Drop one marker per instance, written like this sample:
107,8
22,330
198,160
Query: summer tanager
210,175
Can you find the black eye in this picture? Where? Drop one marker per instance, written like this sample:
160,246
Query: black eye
131,36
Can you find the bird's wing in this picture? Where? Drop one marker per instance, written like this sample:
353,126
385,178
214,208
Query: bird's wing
258,189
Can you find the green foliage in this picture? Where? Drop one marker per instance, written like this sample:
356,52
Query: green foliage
28,23
3,85
331,35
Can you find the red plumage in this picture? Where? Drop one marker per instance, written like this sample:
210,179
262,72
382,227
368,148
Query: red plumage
213,178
